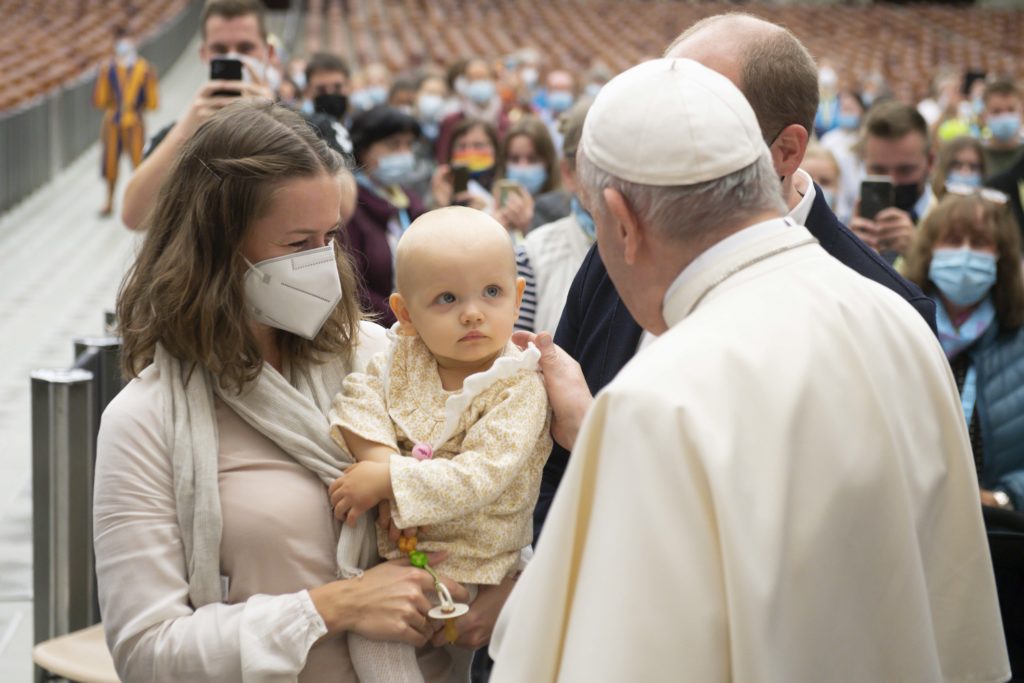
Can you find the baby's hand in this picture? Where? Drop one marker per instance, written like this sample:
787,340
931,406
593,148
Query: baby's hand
361,487
388,525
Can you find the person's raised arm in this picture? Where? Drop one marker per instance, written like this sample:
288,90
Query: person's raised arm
144,184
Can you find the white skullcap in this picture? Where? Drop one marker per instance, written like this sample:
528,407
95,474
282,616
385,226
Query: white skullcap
671,122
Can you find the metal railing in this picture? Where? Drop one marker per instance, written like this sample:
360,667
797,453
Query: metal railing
66,408
41,137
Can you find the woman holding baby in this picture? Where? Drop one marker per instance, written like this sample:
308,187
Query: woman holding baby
218,555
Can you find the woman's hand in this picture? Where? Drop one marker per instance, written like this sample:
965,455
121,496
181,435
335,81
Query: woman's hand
476,626
517,212
388,602
442,185
363,485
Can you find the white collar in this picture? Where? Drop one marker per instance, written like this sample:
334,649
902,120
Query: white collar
802,181
722,249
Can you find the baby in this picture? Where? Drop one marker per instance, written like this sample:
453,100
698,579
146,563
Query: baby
457,396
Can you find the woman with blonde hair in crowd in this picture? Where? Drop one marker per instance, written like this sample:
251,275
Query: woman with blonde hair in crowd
216,550
966,255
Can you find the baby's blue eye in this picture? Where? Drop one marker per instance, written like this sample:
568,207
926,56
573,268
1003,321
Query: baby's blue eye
492,291
446,298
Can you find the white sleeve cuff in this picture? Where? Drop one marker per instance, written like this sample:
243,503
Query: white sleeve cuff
275,636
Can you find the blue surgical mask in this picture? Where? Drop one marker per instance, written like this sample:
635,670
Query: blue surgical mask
377,94
361,100
1005,127
481,92
592,89
560,100
969,179
430,106
964,276
583,217
530,176
848,121
394,168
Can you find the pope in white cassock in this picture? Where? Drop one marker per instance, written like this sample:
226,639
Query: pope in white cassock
780,487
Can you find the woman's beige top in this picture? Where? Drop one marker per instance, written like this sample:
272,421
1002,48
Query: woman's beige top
490,441
278,540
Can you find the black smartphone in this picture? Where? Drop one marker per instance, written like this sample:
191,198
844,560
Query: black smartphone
460,178
225,69
875,195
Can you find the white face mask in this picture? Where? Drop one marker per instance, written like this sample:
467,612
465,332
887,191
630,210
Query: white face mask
295,293
259,68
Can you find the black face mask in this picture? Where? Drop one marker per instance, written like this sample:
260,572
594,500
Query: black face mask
904,197
331,104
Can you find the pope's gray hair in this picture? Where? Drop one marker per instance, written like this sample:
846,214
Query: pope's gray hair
689,213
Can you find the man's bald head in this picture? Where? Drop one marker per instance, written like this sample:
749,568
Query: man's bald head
434,237
767,63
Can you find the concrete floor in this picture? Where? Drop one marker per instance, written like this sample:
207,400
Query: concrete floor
60,267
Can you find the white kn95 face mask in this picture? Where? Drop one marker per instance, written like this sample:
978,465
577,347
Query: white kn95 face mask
295,293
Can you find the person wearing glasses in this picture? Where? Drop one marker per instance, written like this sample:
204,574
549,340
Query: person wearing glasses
966,256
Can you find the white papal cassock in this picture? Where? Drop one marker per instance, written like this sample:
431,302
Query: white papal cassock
780,488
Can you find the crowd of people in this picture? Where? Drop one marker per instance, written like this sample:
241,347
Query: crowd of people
751,361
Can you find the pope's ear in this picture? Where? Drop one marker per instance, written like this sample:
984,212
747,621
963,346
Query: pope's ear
628,230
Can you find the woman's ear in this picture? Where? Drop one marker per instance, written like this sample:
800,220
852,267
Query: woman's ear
401,312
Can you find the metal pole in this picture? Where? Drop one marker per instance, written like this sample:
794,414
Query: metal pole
62,474
102,357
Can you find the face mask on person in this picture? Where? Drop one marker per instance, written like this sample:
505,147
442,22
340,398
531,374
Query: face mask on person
250,64
530,77
376,95
848,121
969,179
476,162
361,100
592,89
299,79
530,176
430,106
560,100
1005,127
394,168
583,217
295,293
125,51
273,77
964,276
332,104
480,92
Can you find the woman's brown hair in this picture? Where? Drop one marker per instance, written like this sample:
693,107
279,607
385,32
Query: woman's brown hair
947,155
534,129
185,289
984,222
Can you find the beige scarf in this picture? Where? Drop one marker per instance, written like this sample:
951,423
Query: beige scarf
291,412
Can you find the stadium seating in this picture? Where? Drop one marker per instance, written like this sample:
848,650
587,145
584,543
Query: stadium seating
45,44
905,44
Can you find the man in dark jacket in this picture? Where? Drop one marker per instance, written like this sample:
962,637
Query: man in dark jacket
780,80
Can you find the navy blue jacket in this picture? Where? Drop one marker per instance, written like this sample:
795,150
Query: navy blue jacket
598,331
998,358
